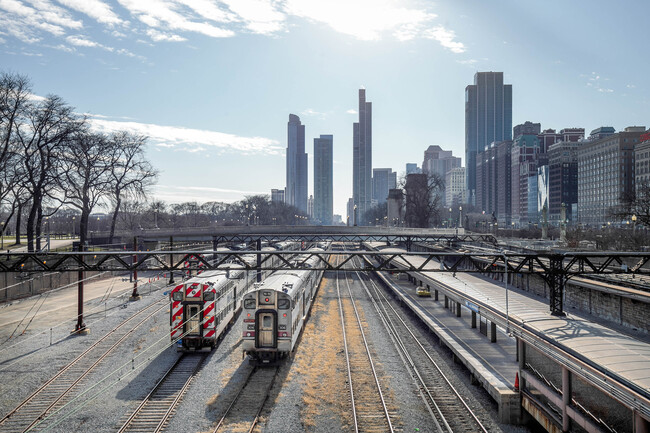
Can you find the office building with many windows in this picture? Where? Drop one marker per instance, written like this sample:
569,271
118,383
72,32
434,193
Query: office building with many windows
323,179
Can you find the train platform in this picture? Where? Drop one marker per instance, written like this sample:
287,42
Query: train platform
493,365
612,361
35,313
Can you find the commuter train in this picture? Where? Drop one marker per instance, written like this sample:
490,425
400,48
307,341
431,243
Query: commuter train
275,310
204,306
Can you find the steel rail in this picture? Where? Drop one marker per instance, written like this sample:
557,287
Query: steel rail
369,355
159,423
74,363
240,393
401,345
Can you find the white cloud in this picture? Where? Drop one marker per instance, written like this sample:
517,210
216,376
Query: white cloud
352,111
259,16
467,62
181,194
365,20
164,14
630,86
81,41
602,90
157,36
312,112
190,139
95,9
446,38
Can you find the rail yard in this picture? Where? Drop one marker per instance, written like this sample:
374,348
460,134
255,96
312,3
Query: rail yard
368,352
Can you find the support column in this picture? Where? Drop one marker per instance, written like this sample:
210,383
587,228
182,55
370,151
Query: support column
473,319
135,296
566,399
493,332
259,260
171,259
521,352
446,302
556,285
457,309
80,328
435,295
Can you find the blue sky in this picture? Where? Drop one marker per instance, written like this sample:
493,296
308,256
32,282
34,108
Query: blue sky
212,83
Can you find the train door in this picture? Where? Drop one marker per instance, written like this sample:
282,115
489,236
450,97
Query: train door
193,319
266,333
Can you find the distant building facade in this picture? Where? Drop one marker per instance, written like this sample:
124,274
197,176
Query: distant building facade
455,186
563,175
412,168
296,190
438,161
324,179
383,180
277,195
642,162
488,118
493,186
606,175
362,156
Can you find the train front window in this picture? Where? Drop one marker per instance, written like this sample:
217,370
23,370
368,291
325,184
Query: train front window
283,304
267,320
249,303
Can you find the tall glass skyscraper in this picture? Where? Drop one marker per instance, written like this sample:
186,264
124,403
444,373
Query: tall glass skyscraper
324,179
296,192
488,118
362,158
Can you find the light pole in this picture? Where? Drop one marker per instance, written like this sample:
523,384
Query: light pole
634,223
2,235
74,230
47,221
512,229
355,215
460,216
449,217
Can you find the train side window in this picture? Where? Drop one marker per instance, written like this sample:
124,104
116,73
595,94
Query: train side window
283,304
249,303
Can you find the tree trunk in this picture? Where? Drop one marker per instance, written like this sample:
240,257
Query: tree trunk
31,222
118,202
38,228
19,215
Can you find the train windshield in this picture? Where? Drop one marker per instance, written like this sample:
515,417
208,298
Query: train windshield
283,304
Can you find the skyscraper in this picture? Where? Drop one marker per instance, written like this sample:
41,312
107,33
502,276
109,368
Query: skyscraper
383,180
438,161
488,118
323,179
296,192
362,157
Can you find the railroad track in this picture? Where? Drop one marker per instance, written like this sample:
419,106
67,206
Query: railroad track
449,410
369,410
154,412
244,410
33,414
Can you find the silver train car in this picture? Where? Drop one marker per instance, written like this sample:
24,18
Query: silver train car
203,307
275,310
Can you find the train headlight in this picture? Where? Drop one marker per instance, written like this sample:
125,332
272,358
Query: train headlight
248,334
177,296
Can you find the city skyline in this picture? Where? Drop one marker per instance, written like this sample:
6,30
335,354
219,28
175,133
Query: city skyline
212,89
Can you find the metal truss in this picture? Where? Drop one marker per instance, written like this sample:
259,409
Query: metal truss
567,264
407,239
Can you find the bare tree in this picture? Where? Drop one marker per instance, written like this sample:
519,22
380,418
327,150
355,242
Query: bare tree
42,139
131,175
14,102
87,162
423,196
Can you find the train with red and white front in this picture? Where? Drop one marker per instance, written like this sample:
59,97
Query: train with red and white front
204,306
274,311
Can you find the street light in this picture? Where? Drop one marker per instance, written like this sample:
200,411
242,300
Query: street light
449,217
512,229
460,216
2,235
355,215
74,230
634,223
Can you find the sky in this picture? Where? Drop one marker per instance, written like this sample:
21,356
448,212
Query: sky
212,83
